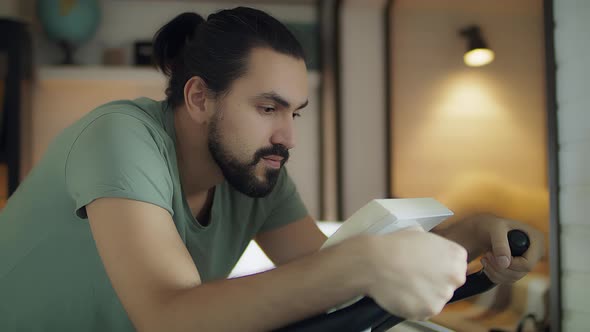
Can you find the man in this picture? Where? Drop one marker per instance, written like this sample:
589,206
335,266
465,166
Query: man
139,211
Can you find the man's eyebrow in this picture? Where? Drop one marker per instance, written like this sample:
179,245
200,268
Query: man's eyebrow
279,100
303,105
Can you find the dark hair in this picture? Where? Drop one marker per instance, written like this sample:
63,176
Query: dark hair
217,49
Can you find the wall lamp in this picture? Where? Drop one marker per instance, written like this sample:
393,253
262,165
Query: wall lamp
478,54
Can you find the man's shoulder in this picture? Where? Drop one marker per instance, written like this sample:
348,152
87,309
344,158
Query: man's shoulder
144,110
124,117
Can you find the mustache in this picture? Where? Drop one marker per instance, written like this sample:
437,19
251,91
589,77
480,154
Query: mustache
276,150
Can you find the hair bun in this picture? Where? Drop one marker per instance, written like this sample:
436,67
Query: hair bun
171,39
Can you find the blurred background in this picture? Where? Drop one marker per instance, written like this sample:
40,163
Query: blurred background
455,100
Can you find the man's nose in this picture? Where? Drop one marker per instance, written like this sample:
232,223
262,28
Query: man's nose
285,133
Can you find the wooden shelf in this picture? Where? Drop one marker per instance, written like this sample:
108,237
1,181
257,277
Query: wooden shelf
121,73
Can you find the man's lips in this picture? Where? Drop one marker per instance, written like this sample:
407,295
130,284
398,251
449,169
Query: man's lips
274,158
273,161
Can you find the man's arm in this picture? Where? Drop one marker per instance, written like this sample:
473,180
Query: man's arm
292,241
465,233
160,288
303,237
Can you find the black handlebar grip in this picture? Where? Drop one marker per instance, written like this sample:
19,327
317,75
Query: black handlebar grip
519,242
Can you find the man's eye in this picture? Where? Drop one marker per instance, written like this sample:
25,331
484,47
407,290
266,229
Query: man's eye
267,109
296,115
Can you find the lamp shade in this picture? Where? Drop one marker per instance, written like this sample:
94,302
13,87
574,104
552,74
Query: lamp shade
478,53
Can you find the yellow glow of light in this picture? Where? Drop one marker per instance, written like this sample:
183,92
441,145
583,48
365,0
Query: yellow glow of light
478,57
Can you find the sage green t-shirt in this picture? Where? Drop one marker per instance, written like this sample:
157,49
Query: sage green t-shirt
51,276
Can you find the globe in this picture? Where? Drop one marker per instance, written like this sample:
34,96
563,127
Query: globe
69,22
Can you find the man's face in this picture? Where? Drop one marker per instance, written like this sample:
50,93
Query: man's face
252,132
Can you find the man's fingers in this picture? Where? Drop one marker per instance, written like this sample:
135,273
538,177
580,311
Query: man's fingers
499,242
500,276
520,264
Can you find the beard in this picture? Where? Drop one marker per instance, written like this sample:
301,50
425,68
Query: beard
242,175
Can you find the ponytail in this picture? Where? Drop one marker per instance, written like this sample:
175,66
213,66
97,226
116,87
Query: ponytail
170,41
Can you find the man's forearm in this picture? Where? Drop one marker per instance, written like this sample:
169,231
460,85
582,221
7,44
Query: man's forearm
466,233
271,299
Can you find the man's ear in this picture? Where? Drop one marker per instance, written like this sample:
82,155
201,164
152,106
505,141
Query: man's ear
196,99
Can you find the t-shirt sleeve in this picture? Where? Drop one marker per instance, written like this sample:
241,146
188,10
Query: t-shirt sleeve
287,205
117,155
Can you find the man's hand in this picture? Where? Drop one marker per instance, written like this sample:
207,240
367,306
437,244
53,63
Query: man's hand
414,273
499,265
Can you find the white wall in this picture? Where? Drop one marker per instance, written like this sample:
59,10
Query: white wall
572,48
451,122
474,138
362,111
